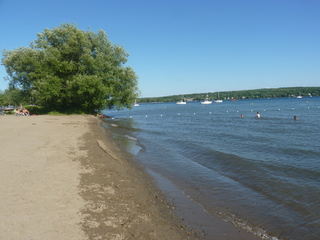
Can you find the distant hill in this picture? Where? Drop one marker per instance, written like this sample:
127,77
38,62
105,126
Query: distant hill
241,94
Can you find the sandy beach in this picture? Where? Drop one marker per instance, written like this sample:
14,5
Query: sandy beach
63,177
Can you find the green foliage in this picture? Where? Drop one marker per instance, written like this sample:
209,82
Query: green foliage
37,110
69,70
2,99
12,96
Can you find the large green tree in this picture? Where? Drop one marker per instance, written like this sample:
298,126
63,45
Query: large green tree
70,70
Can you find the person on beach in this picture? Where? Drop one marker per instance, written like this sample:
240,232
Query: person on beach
258,115
25,112
18,112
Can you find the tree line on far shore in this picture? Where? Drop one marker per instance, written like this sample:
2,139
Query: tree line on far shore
241,94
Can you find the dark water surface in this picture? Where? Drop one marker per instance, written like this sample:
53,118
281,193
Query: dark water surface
260,174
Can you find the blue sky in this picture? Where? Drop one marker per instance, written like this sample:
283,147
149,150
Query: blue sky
188,46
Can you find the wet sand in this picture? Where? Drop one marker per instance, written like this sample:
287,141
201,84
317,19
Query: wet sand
63,177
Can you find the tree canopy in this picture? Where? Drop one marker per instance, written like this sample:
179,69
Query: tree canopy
70,70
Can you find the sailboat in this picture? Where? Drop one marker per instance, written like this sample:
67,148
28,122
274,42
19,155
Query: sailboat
206,101
181,102
299,95
136,104
218,100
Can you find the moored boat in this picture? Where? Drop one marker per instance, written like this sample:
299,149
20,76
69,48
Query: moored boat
181,102
218,100
136,104
206,101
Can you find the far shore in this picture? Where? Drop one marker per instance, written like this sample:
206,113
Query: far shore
64,177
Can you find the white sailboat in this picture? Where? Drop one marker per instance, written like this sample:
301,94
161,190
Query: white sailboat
136,104
206,101
218,100
181,102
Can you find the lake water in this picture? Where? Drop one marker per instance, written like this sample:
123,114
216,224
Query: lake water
262,175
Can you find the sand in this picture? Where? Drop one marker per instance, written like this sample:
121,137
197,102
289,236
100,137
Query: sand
63,177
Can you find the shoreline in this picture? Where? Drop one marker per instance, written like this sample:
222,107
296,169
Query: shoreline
191,215
66,177
131,206
63,177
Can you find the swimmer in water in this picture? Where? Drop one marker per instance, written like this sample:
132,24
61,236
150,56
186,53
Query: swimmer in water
258,115
295,117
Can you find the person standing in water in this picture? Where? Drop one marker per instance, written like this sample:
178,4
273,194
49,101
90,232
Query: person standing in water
258,115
